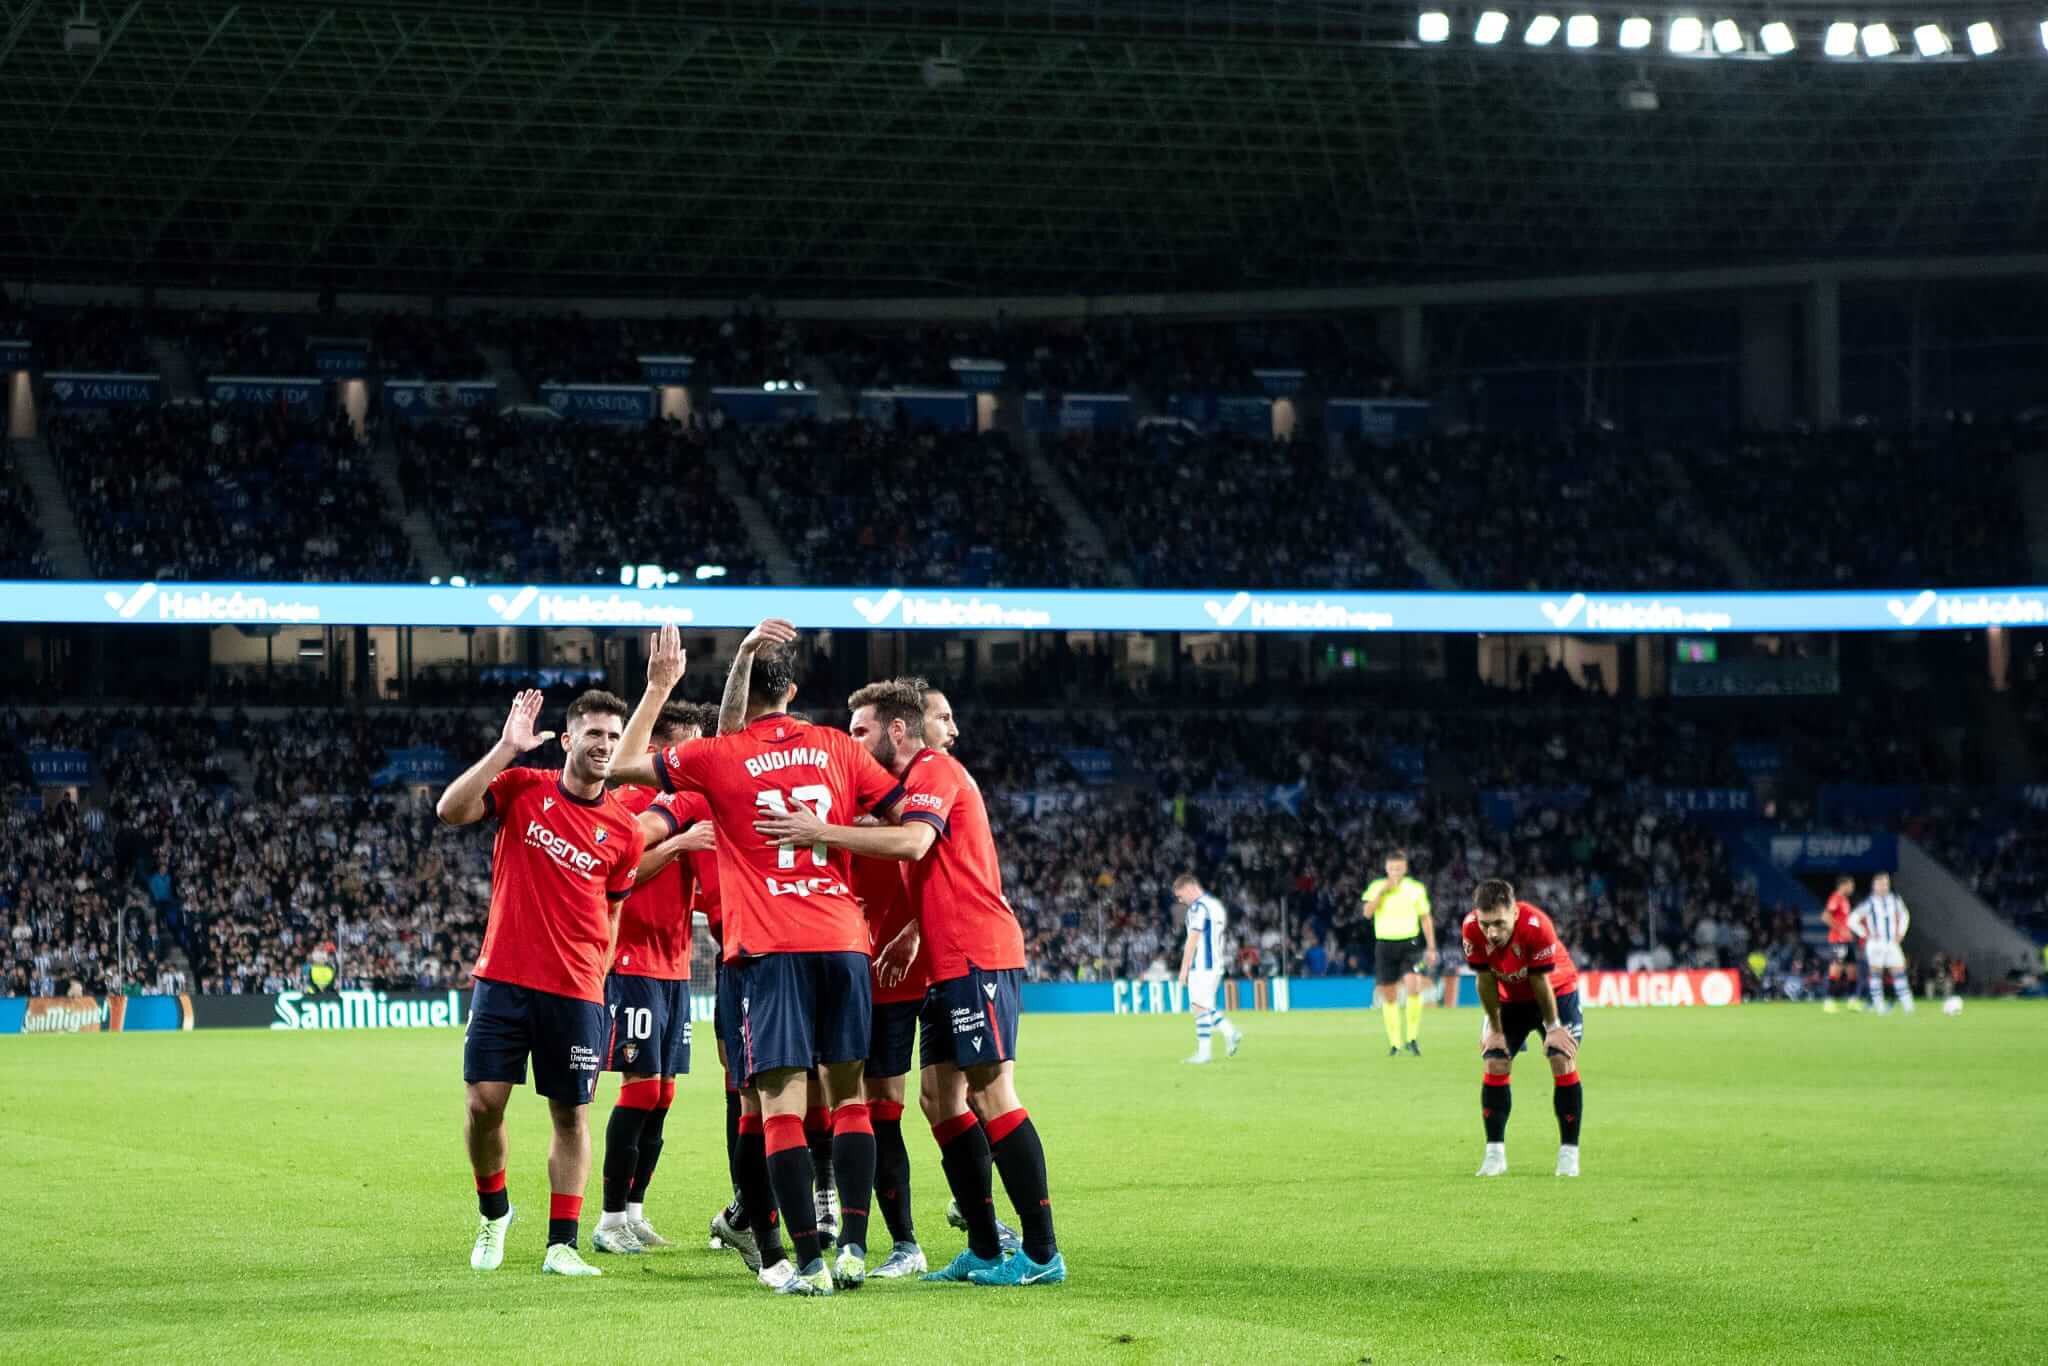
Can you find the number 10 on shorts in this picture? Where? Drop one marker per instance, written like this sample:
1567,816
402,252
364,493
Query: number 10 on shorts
638,1020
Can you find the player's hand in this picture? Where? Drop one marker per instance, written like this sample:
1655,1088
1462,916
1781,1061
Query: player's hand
665,660
1558,1042
701,837
892,964
1492,1041
793,828
519,732
867,821
1429,956
773,631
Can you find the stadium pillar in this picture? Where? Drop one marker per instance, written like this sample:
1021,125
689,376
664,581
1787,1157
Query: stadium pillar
366,671
1768,362
1824,351
1412,356
1461,661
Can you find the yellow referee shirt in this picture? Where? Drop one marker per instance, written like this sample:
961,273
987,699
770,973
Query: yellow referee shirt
1400,914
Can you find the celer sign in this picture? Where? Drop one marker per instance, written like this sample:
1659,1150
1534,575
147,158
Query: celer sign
1716,987
365,1010
1012,609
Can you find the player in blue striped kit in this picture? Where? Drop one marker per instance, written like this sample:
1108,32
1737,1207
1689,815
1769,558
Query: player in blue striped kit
1201,964
1881,923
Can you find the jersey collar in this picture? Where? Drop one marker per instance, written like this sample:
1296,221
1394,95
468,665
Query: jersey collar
567,795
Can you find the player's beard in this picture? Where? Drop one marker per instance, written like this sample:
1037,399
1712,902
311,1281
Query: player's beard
885,752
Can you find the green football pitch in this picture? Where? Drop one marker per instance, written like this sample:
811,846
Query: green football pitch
1761,1184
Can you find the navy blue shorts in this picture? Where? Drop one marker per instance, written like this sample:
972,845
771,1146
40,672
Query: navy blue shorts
650,1025
1520,1019
567,1037
725,1019
799,1010
971,1021
894,1031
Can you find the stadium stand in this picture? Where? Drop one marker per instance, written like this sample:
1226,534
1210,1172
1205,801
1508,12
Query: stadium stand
748,346
1189,511
860,503
181,493
565,502
21,534
102,338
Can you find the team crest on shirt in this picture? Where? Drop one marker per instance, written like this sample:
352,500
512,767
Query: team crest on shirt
600,837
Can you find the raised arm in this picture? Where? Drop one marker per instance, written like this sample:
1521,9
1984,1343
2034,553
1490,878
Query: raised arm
732,708
665,662
463,801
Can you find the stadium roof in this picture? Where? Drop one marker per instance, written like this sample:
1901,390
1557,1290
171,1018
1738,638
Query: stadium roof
699,148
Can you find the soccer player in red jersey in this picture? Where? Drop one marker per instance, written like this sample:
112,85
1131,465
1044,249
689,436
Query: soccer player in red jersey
1841,948
1526,983
567,854
648,991
976,949
794,935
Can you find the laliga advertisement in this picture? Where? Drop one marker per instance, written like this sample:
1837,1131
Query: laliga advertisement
1691,987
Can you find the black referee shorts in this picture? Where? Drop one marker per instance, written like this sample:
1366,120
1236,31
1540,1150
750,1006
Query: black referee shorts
1393,959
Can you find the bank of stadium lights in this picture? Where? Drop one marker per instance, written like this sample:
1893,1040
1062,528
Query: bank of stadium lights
1711,35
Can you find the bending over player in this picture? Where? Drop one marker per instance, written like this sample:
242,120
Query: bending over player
1526,984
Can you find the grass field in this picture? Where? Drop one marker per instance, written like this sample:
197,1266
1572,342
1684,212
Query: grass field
1762,1184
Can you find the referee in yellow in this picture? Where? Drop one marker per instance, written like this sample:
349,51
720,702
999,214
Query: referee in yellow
1405,942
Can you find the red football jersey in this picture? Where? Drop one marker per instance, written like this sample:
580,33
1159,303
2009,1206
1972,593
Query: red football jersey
957,887
884,894
782,900
704,865
1837,917
558,862
1532,947
654,924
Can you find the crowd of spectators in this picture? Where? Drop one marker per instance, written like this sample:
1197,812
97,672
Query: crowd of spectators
21,532
566,502
105,339
1526,513
1188,511
1865,509
258,852
859,502
184,493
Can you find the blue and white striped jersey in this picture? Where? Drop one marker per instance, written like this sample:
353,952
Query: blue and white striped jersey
1881,919
1208,922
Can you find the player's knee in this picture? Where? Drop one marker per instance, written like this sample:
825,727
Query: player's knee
1499,1067
485,1109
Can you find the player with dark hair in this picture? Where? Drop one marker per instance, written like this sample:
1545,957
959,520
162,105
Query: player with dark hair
970,1016
794,937
1841,948
648,991
941,727
567,854
1527,983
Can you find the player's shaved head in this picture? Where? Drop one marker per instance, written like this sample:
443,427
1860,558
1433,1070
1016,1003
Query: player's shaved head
774,679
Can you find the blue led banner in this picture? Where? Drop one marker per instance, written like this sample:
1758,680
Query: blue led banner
16,354
1377,419
75,389
420,400
302,395
978,376
1079,413
753,407
667,369
627,404
255,604
60,767
341,359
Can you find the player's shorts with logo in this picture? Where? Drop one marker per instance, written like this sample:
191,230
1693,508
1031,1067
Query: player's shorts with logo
799,1010
1202,988
971,1021
1882,956
1842,953
1520,1019
1393,959
725,1018
567,1038
894,1031
650,1025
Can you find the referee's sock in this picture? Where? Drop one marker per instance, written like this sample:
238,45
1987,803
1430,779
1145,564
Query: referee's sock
1414,1015
1391,1012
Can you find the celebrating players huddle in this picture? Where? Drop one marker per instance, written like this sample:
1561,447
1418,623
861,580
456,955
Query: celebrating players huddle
851,882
